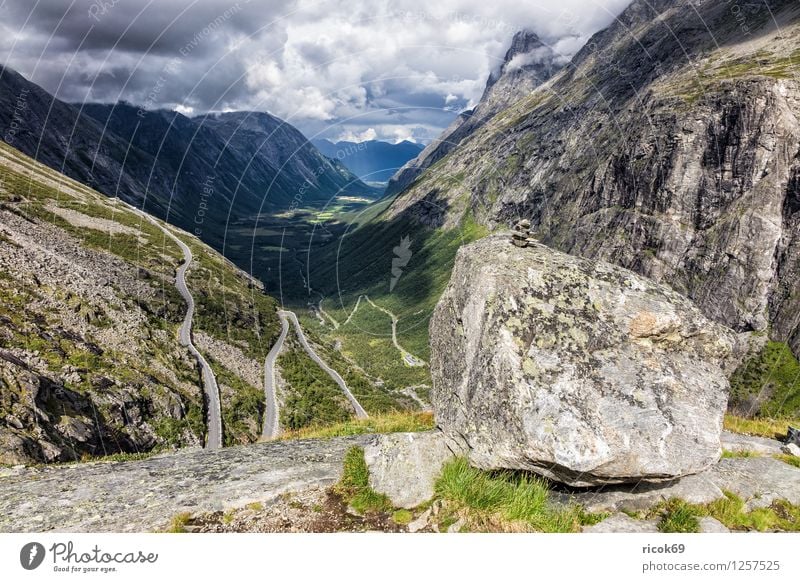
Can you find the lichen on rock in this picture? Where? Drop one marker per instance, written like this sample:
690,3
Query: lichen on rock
577,370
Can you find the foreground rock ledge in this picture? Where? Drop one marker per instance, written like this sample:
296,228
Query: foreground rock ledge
142,496
580,371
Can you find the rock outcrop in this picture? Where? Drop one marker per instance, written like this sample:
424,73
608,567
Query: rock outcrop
143,496
580,371
405,466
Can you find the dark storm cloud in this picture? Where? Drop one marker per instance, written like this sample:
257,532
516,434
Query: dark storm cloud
155,27
396,69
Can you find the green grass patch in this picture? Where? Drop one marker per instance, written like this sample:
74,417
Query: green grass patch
731,511
402,517
381,423
771,428
354,485
506,501
679,517
768,384
739,454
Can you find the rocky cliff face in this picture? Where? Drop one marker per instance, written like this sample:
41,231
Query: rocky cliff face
670,145
527,64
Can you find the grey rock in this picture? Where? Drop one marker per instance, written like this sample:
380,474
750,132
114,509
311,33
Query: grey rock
791,449
143,496
580,371
456,527
420,522
711,525
404,466
621,523
793,435
696,489
739,443
758,480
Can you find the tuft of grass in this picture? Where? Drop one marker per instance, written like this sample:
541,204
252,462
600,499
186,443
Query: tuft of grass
772,428
402,516
739,454
382,423
505,501
354,485
255,506
790,459
179,523
730,510
679,517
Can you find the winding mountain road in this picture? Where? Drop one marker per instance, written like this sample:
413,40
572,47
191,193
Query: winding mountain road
271,428
408,358
210,387
269,373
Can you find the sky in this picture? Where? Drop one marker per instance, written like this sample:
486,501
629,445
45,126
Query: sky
355,70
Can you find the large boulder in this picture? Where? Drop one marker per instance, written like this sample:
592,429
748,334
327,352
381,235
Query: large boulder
577,370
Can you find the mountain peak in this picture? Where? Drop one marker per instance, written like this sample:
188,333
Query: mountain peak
523,42
527,56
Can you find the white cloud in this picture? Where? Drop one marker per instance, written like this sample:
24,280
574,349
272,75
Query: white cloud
184,110
323,65
366,135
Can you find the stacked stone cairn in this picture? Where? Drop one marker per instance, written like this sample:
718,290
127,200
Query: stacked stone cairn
521,236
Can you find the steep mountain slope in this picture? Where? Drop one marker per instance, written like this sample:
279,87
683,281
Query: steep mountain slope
402,262
527,64
59,136
197,173
670,146
258,135
90,362
372,161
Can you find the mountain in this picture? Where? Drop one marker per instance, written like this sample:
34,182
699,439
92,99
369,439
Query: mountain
200,174
372,161
91,363
528,63
670,146
664,147
94,358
